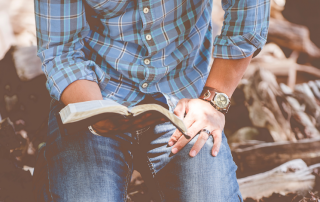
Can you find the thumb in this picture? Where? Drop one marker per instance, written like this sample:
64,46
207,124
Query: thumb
180,109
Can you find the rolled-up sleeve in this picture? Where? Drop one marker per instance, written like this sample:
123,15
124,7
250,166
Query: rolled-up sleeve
244,30
61,27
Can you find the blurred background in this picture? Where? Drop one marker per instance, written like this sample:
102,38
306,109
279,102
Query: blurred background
273,125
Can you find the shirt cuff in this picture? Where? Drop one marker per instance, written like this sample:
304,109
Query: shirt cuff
238,47
59,81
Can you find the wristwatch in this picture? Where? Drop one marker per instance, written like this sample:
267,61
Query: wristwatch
218,100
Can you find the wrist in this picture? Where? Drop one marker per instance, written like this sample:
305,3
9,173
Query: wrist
211,105
219,100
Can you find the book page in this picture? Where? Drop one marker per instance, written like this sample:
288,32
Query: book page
91,105
83,110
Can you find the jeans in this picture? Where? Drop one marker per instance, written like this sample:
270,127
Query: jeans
85,167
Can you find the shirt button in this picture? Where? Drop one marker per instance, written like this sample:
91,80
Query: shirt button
146,10
144,85
148,37
146,61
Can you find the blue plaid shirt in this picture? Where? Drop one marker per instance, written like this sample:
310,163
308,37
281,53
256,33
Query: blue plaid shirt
136,47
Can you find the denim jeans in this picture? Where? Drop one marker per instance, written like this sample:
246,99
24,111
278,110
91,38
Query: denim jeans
85,167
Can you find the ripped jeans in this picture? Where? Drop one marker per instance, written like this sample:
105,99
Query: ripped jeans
89,168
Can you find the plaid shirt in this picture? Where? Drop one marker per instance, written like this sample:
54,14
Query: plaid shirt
132,48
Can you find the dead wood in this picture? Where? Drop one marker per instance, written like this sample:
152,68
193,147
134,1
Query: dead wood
315,89
26,62
244,144
244,134
267,105
273,59
300,112
263,157
277,7
304,95
292,176
292,36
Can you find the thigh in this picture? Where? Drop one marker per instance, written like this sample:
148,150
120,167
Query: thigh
198,179
84,167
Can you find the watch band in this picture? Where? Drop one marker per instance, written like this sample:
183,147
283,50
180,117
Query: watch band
208,94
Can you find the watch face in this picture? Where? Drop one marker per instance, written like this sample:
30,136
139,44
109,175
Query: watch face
221,100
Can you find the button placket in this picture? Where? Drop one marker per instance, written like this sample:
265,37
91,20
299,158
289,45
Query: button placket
147,24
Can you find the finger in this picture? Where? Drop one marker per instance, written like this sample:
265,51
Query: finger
202,139
192,131
188,121
100,131
120,122
174,137
142,118
103,126
149,123
217,137
180,109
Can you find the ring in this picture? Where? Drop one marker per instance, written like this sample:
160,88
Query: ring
206,131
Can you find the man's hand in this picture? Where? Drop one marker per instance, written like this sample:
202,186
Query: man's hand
84,90
199,115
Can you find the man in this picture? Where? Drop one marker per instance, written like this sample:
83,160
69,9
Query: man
137,52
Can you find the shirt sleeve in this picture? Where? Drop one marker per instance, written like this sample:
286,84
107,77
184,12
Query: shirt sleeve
244,30
61,27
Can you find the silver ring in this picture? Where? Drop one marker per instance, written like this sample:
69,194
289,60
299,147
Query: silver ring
206,131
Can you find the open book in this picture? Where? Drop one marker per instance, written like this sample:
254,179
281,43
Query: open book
80,115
